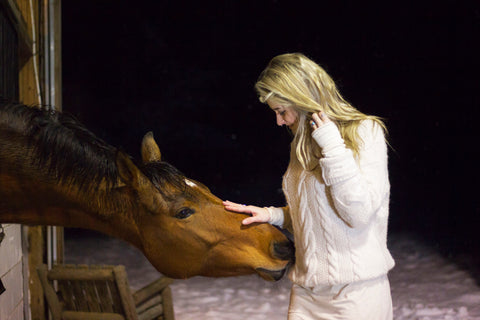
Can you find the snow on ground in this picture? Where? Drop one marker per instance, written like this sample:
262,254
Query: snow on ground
425,285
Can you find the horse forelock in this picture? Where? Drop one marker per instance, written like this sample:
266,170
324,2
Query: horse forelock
162,174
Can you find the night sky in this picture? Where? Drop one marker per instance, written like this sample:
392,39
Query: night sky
186,70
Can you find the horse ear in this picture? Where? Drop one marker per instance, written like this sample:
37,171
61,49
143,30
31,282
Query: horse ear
129,172
150,149
133,177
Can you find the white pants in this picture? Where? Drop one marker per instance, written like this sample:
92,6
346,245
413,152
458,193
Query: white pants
364,300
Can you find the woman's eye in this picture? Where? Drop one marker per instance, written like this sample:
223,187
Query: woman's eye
184,213
282,113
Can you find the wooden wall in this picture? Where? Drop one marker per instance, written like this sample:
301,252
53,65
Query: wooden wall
11,273
28,93
14,301
22,251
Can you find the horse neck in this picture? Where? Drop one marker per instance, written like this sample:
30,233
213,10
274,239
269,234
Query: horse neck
50,177
31,196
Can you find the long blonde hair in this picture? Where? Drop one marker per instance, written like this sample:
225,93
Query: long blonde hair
295,81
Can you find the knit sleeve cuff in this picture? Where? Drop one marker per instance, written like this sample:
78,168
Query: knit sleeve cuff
277,216
329,139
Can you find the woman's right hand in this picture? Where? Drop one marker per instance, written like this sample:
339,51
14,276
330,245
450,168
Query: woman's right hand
258,214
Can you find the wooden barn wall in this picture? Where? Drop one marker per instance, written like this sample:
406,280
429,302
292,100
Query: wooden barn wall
11,274
12,301
21,251
28,86
8,58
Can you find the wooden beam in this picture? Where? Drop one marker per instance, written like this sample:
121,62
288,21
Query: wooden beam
25,43
36,247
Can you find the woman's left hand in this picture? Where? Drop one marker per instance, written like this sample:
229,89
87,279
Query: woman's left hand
318,120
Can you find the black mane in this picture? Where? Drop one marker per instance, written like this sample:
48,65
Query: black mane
69,151
61,145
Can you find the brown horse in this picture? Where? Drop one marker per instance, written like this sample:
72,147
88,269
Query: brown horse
53,171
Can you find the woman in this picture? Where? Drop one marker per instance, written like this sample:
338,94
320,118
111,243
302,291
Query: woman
337,190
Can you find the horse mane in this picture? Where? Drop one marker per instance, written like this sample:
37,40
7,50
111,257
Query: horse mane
71,153
61,145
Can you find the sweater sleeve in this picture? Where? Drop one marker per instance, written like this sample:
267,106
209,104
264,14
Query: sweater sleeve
358,187
280,217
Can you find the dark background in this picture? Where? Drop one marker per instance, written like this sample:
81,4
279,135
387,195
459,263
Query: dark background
186,70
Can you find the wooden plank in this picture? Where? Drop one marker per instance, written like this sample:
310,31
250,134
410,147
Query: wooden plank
79,296
125,293
155,287
66,292
68,315
168,313
28,89
92,298
115,297
60,244
156,300
152,313
50,293
80,274
18,21
36,247
57,17
104,296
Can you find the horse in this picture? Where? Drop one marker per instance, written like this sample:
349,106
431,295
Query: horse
54,171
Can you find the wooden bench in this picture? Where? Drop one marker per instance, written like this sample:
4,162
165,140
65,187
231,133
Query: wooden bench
75,292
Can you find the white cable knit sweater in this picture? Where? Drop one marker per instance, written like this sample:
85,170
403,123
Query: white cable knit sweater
339,212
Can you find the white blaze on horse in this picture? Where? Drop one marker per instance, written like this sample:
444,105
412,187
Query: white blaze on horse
53,171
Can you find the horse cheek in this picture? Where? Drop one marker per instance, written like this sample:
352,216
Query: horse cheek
164,248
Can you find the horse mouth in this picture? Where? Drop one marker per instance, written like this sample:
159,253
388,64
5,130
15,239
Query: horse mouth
270,275
284,251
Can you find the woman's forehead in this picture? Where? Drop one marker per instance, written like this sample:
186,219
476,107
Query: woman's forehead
276,105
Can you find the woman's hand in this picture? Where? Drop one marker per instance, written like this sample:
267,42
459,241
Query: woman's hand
318,120
260,215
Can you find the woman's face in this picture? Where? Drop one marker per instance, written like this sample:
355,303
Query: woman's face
285,115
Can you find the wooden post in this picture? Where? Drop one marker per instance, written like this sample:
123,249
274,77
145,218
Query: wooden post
29,62
36,248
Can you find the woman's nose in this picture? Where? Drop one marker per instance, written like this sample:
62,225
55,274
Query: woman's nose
280,121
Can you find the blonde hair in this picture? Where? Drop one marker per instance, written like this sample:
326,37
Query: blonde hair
296,81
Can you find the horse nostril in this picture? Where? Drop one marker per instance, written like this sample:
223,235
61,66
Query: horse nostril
284,250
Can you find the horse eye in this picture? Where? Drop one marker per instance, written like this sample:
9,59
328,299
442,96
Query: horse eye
184,213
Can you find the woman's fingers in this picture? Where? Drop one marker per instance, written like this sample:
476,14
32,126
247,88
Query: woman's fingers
232,206
319,119
316,118
258,214
241,208
250,220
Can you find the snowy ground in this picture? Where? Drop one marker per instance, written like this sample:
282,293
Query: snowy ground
425,285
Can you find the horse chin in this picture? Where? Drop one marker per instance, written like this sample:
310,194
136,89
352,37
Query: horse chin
270,275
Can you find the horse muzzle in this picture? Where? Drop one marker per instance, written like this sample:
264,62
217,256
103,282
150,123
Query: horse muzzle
285,251
271,275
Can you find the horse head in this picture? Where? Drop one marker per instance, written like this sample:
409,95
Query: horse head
185,230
